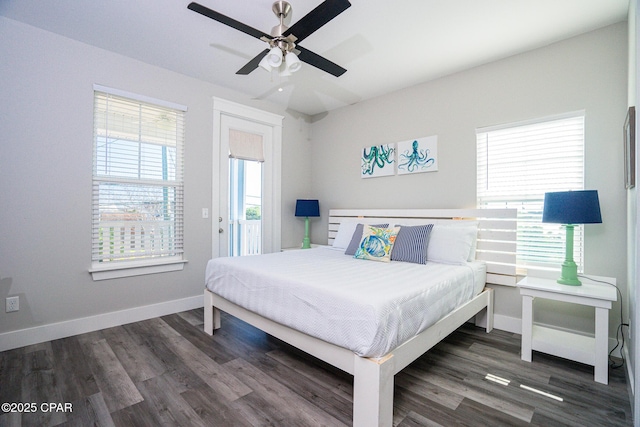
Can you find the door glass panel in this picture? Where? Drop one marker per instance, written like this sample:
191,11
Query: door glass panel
245,207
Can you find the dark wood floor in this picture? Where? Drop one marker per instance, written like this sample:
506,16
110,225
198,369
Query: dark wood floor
166,371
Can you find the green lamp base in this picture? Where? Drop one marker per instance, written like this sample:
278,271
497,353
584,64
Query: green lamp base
306,242
569,273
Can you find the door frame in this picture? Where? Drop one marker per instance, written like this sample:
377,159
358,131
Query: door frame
272,175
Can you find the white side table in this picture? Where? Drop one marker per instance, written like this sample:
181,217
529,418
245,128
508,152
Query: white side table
580,348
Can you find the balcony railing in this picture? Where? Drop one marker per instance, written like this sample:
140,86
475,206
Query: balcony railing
246,237
118,240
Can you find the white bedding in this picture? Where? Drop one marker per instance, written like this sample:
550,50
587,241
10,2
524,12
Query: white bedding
366,306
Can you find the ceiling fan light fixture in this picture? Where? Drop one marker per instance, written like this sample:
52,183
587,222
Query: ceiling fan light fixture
293,63
264,63
274,57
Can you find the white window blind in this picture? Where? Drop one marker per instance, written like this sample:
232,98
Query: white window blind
517,164
137,181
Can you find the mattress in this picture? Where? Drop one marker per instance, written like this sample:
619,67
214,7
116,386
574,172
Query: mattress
367,307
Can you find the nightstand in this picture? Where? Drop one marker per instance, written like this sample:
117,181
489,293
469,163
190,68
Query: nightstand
580,348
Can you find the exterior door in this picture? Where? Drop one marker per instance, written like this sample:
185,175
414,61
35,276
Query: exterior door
247,185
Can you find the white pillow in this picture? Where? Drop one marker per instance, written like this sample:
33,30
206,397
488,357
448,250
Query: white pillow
345,232
452,244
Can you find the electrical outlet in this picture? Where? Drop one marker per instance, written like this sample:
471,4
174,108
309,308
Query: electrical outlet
12,304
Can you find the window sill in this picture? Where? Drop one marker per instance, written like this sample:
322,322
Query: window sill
130,269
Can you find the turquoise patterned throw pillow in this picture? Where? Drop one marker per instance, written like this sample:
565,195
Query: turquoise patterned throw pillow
376,243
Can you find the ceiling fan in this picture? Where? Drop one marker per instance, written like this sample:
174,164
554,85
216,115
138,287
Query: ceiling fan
283,52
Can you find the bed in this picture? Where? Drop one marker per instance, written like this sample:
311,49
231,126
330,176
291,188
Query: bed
315,299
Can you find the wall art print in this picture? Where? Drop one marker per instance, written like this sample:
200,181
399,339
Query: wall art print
378,160
418,155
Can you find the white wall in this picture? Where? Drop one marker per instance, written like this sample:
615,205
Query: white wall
587,72
46,123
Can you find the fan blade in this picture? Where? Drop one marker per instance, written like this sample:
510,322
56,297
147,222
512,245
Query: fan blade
253,64
319,62
217,16
315,19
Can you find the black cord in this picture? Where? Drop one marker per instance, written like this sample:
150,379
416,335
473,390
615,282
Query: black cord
619,331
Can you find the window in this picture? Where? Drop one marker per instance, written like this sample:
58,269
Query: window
517,164
245,203
137,183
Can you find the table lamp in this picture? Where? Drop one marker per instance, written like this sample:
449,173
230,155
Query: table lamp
307,208
570,208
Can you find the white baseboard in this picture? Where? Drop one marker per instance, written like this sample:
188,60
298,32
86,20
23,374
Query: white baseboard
53,331
504,323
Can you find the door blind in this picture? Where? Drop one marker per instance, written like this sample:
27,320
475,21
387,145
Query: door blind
245,146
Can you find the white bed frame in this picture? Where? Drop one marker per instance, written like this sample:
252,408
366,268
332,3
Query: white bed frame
373,378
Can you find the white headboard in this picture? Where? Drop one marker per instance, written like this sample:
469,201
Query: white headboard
496,232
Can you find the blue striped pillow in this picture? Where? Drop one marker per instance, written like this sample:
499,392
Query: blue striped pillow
411,244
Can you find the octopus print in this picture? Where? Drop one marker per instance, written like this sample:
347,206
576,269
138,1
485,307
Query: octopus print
418,155
378,160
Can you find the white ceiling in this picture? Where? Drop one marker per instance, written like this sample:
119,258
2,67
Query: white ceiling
385,45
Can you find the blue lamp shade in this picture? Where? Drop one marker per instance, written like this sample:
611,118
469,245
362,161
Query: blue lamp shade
572,207
307,208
